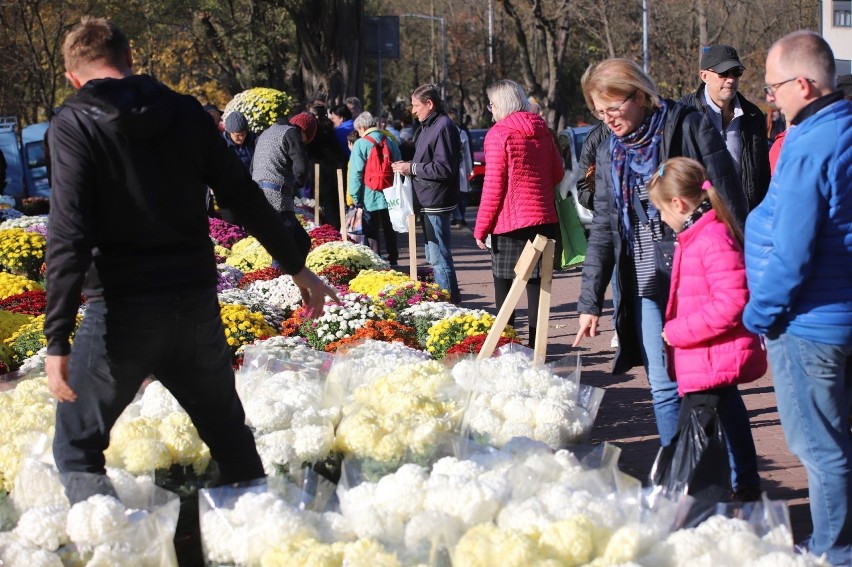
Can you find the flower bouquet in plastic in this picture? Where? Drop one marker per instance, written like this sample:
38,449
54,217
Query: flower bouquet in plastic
512,397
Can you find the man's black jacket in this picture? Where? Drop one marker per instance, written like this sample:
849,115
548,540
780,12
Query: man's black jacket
130,161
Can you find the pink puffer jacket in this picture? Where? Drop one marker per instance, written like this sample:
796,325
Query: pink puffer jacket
711,347
522,167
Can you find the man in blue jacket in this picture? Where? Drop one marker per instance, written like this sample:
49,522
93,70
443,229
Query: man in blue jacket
434,172
799,267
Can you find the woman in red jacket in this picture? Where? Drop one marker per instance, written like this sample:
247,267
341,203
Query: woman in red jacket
710,350
522,168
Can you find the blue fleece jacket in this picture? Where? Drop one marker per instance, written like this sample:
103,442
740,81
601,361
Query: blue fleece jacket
798,241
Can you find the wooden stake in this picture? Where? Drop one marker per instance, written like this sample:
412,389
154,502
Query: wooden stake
316,195
542,331
523,271
342,202
412,247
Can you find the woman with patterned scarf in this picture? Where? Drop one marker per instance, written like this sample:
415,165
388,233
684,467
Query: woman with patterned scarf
627,231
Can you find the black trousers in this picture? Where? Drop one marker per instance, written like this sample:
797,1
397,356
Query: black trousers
375,223
501,291
179,338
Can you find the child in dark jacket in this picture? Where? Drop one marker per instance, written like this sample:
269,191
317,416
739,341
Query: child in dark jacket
709,350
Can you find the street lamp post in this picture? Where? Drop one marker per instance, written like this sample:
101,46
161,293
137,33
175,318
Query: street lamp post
443,48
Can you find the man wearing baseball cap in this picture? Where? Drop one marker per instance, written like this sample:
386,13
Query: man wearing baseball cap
740,123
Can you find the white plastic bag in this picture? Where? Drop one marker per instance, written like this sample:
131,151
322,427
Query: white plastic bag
400,202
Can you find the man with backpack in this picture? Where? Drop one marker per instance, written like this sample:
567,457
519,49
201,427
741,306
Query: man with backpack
369,174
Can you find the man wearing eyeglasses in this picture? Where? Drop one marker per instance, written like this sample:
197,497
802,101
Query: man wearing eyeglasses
798,247
741,123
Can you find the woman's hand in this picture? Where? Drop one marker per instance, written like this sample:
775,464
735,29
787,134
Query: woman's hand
314,291
588,326
481,244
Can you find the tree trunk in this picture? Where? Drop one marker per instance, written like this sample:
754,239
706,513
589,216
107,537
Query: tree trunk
331,53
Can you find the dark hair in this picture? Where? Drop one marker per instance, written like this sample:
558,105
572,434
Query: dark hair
431,92
353,135
92,40
686,178
342,111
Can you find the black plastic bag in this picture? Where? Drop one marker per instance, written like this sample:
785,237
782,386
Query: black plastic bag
696,461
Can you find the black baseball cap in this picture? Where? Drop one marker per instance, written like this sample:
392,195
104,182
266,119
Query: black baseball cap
720,58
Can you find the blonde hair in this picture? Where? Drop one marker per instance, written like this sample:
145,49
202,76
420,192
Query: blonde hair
506,97
619,78
686,178
95,40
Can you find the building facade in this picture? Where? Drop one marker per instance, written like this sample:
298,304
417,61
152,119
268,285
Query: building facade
836,24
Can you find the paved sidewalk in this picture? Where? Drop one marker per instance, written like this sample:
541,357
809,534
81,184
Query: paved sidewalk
626,417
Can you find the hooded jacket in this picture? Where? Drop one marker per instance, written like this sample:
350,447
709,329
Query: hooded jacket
710,346
130,162
523,166
755,155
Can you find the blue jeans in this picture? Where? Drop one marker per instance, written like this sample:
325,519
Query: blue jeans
813,387
438,231
179,338
649,328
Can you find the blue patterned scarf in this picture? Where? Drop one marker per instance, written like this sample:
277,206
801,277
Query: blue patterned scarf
635,158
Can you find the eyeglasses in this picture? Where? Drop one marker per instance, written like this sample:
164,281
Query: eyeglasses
736,72
614,111
770,89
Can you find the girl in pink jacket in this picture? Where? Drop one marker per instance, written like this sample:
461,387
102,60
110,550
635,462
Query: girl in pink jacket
709,351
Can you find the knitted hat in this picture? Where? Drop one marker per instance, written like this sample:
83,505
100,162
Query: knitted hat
236,122
307,122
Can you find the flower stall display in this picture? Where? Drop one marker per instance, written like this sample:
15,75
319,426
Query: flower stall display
283,405
7,213
372,282
29,302
473,344
22,252
248,255
11,284
322,234
337,275
356,257
224,233
24,222
399,297
272,314
27,418
364,363
512,397
340,320
155,433
261,106
243,326
404,415
423,315
29,338
228,277
451,330
281,291
386,331
264,274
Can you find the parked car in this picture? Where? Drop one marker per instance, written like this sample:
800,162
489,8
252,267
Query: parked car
14,186
477,143
32,150
570,145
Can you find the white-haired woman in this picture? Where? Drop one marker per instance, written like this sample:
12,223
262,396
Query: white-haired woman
522,167
627,230
376,218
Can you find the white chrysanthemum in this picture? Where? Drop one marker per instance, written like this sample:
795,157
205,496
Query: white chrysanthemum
43,527
781,559
333,527
524,516
157,402
426,527
95,520
18,554
38,485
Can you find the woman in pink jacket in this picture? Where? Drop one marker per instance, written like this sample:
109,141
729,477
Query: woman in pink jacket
709,350
522,167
